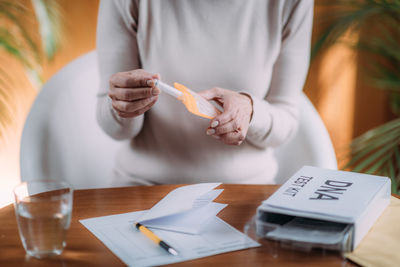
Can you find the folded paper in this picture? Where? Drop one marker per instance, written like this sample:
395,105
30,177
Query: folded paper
186,209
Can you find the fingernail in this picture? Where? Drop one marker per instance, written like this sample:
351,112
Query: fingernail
210,131
214,124
149,82
216,136
155,91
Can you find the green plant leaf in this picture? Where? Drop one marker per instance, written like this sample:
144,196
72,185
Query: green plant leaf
6,10
380,130
361,151
23,47
359,165
10,44
350,15
6,111
47,14
378,165
375,157
392,171
377,152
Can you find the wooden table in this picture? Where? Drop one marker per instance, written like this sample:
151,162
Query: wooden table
84,249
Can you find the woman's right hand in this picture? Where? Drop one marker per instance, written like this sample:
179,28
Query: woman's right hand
133,92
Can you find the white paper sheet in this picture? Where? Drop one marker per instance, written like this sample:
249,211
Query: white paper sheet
117,232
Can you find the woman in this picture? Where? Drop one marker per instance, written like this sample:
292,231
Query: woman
250,56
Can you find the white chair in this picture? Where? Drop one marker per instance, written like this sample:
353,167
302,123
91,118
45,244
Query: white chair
61,138
311,145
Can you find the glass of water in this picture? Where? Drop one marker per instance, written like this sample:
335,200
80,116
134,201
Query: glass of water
43,210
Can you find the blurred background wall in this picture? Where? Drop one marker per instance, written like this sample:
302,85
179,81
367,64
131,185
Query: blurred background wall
347,107
78,28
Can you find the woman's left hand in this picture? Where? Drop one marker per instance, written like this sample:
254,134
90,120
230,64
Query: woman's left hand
230,126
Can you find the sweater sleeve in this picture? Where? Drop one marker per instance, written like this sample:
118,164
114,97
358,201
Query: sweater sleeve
117,51
275,118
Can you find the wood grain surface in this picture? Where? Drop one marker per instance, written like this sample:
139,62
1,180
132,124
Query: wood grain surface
84,249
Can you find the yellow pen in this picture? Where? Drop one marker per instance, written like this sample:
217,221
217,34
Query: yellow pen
146,231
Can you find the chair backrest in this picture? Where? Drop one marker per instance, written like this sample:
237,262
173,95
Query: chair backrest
62,140
310,146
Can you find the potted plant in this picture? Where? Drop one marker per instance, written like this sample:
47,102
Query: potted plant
377,25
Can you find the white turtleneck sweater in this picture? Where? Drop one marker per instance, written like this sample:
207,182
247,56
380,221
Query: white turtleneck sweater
255,46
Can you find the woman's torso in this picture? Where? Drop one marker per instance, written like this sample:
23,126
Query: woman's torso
202,44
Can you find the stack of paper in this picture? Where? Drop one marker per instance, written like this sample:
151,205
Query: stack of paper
185,219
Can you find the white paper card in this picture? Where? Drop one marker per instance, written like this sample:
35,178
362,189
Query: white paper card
117,232
186,209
